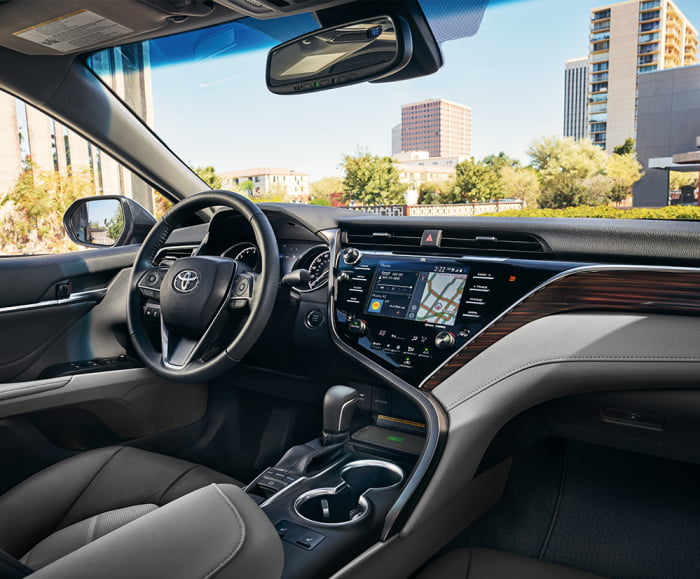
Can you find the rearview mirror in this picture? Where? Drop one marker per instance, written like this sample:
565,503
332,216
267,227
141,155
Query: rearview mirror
340,55
107,221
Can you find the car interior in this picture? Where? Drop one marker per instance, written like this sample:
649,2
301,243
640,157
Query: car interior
268,390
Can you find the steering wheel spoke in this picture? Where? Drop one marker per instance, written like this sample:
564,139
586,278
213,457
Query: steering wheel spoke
243,290
196,294
149,283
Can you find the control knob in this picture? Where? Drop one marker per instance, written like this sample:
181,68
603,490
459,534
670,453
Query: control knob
445,340
351,256
357,327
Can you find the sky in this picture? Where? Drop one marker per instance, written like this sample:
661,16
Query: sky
511,74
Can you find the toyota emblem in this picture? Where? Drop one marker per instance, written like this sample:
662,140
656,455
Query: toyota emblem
186,281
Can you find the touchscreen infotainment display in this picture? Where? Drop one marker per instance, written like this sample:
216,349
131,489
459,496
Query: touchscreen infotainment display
417,292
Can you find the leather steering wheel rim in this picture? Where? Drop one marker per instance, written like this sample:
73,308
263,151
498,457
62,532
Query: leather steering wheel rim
261,302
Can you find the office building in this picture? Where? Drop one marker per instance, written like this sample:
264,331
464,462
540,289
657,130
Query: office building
396,147
576,98
668,128
28,134
289,184
627,40
441,127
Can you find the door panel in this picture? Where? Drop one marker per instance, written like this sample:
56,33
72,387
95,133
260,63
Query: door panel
46,304
50,342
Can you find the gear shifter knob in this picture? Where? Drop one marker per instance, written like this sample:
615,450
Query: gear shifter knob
338,405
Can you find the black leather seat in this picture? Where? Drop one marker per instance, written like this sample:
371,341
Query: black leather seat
477,563
74,502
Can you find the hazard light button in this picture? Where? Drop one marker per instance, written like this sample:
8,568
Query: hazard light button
431,238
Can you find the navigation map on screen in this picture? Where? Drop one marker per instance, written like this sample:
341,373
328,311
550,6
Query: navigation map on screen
421,296
440,300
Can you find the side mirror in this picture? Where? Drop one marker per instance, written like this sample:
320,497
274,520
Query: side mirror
340,55
107,221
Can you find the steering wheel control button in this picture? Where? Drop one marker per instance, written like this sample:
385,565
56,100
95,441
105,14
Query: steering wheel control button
351,256
357,327
242,292
314,319
445,340
242,287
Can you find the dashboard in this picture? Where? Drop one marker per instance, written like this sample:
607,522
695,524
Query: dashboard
410,314
229,235
419,310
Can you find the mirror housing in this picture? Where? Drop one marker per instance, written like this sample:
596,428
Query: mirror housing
340,55
107,221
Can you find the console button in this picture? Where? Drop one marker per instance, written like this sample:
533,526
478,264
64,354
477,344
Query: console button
357,327
381,400
351,256
445,340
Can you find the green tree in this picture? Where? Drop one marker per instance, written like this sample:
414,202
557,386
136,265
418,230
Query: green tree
627,148
500,161
624,171
322,189
476,182
565,165
371,180
115,226
209,176
247,187
275,194
677,179
33,209
435,192
521,183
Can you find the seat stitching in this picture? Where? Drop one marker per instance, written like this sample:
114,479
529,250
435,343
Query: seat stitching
469,564
175,480
99,470
239,546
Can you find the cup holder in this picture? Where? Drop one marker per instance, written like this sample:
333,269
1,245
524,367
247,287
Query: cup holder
347,502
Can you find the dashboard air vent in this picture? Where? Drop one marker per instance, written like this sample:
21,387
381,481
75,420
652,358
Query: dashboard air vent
168,255
502,242
453,241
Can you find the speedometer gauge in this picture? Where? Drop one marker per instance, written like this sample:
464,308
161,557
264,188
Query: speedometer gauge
316,260
318,268
244,252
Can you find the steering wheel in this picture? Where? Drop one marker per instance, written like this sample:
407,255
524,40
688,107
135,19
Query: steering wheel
198,295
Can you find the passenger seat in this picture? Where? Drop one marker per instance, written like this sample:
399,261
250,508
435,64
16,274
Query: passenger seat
477,563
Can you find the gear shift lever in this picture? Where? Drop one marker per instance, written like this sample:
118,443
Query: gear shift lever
338,406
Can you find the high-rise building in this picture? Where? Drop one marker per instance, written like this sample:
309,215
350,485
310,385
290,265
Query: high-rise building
576,98
629,39
441,127
396,147
30,135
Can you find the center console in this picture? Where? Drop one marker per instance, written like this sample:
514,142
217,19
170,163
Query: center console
329,498
411,313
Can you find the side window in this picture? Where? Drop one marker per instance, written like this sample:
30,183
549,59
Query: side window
44,167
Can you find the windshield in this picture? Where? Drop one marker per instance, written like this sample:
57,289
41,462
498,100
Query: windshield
541,108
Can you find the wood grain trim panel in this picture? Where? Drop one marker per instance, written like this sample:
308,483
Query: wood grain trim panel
665,291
